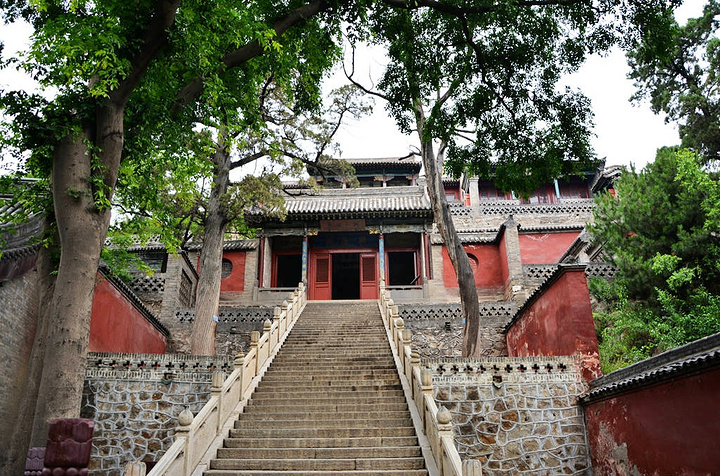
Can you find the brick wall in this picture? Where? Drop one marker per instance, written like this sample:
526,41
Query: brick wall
18,318
177,267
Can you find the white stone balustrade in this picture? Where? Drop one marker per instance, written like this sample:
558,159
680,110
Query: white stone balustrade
437,424
194,435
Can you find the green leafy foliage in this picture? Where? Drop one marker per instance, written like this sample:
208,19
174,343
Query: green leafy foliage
487,77
677,70
662,233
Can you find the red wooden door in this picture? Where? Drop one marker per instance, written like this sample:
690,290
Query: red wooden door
368,276
321,286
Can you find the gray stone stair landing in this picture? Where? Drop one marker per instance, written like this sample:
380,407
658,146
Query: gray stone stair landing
330,403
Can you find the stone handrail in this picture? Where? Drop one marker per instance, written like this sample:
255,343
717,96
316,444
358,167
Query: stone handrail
194,435
436,422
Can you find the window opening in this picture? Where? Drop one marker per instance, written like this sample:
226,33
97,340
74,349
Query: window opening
227,268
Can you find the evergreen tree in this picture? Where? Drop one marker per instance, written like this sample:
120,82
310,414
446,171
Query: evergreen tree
662,232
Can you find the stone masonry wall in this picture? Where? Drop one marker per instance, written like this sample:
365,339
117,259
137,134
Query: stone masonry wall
18,319
437,328
135,400
234,326
518,416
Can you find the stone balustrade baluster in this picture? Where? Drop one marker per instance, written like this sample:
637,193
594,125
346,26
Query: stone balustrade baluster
239,363
444,426
182,431
426,390
216,385
471,467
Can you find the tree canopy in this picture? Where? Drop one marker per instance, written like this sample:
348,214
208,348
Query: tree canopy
662,232
678,70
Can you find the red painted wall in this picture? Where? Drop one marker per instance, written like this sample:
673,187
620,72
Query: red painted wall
117,326
236,281
488,272
559,322
671,428
452,190
544,248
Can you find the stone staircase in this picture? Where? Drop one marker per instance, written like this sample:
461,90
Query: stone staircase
330,403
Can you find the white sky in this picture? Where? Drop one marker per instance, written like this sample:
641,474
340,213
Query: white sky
624,133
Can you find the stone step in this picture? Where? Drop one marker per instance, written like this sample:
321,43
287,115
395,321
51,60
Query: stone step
321,453
346,442
319,464
320,432
335,408
401,472
328,368
321,424
299,386
333,352
331,403
324,363
270,399
330,378
294,413
286,393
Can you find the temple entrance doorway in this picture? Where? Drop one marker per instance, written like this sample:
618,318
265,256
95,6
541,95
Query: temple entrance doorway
346,276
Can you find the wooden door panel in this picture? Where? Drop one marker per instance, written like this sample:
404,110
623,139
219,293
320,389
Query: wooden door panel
321,285
368,276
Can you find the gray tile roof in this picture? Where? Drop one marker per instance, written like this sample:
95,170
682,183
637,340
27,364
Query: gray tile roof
374,161
694,358
388,201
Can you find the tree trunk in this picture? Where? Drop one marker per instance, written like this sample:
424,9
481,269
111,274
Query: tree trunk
470,307
17,443
202,338
82,228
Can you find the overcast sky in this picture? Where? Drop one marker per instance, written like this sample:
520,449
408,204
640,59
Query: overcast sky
624,133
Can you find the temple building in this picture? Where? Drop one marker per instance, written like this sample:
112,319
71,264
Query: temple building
342,241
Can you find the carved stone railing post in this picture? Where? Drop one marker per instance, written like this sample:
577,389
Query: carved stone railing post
137,468
444,425
183,432
218,379
68,447
471,467
390,305
426,388
239,363
399,328
276,320
34,461
254,340
285,309
272,337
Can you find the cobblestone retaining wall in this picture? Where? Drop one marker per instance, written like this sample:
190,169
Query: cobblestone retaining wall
135,400
518,416
437,328
233,328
